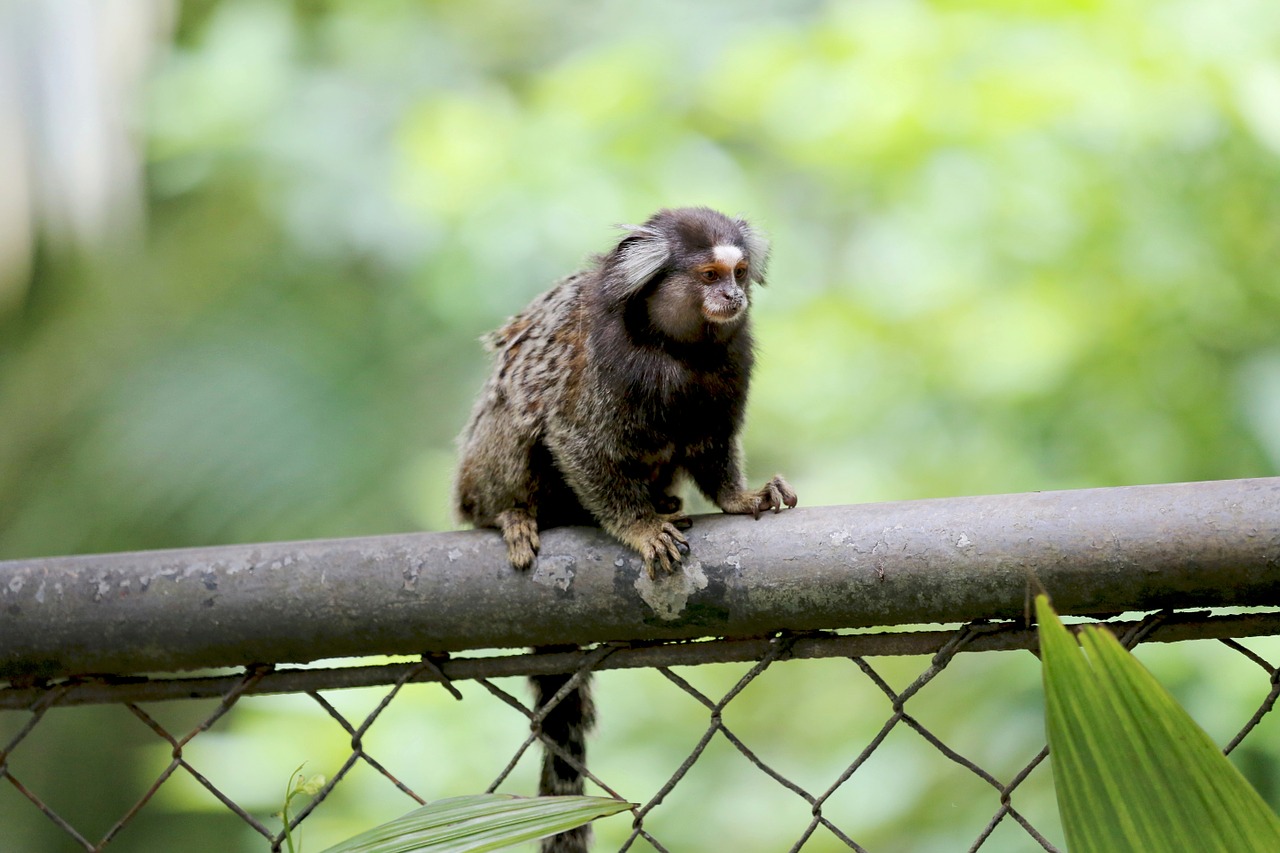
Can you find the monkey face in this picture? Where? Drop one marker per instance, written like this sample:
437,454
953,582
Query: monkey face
704,296
723,280
694,268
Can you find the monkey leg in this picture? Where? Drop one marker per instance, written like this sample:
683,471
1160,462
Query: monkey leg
774,495
622,495
497,481
667,504
628,513
717,470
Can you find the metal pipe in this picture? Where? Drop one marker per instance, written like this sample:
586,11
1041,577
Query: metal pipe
1095,551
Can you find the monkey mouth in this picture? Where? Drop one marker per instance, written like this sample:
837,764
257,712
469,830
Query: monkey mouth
722,313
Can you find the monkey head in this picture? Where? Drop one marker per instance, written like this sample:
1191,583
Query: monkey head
692,268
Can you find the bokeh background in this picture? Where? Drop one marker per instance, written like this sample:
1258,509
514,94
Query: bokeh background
247,248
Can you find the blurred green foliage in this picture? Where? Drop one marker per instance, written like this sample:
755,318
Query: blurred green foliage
1017,246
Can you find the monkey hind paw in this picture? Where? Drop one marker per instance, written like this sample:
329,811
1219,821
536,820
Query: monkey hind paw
520,531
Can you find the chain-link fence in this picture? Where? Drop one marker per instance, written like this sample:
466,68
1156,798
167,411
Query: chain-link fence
32,706
986,778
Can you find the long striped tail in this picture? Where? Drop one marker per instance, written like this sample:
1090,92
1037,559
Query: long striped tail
567,726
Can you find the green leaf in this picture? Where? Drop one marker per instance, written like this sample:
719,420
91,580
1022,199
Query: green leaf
1132,770
479,823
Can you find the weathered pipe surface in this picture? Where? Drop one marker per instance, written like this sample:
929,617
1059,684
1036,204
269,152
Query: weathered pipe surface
1095,551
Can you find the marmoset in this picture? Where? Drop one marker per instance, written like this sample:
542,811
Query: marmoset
608,390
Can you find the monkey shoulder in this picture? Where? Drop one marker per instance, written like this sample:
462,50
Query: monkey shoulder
538,351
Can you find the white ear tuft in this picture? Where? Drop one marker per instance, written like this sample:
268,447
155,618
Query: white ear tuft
757,250
641,255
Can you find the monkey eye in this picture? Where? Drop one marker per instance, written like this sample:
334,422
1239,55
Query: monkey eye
709,275
740,273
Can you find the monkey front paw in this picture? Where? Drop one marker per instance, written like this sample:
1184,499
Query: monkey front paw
774,495
661,545
664,550
520,531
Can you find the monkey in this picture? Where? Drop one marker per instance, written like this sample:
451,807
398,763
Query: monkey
617,382
606,393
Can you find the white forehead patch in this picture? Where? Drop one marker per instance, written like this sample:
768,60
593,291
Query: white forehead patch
727,255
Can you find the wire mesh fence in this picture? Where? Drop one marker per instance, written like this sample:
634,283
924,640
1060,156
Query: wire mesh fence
814,819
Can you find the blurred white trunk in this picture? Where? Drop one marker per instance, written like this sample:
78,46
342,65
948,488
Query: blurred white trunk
71,73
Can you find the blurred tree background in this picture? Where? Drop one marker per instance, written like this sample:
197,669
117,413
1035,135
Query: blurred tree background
247,247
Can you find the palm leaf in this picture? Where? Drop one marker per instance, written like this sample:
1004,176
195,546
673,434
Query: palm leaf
1132,770
479,823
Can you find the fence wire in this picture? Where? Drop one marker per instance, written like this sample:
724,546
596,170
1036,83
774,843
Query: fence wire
31,704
